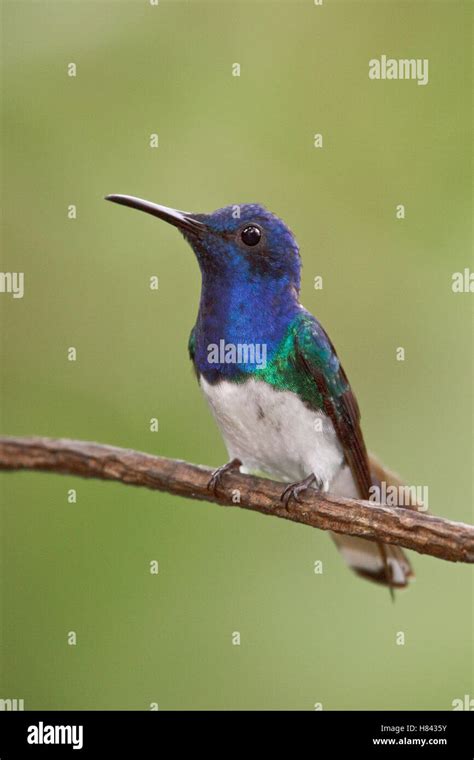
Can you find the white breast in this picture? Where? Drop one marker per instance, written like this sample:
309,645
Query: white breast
273,432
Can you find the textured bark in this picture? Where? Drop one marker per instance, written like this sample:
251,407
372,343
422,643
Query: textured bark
409,528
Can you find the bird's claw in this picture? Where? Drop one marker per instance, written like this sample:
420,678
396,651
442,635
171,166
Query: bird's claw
216,477
293,490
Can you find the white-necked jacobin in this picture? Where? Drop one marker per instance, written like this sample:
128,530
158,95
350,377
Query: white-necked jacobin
269,371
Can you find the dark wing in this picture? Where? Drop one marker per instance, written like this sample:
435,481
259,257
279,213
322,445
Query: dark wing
316,356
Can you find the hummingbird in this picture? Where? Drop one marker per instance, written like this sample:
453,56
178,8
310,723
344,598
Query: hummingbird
269,371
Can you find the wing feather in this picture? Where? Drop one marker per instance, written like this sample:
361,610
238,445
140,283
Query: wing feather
312,347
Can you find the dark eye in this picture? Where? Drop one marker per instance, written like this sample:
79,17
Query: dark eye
251,235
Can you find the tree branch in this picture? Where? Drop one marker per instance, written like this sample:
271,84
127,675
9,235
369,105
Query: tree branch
409,528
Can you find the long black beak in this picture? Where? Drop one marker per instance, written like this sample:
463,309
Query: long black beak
182,219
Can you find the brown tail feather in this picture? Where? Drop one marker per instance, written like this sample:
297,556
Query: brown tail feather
385,564
366,560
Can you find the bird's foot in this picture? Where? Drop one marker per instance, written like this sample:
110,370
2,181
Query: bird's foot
215,480
294,489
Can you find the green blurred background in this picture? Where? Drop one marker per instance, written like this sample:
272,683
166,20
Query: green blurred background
84,567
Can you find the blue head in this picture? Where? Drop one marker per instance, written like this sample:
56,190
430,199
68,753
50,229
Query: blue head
250,267
247,243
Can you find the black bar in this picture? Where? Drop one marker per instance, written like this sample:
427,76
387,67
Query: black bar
313,734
